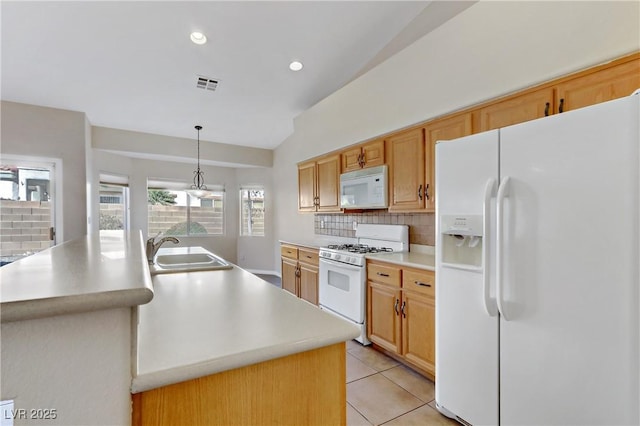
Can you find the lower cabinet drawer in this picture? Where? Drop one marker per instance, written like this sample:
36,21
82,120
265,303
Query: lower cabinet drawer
289,251
383,274
418,280
308,256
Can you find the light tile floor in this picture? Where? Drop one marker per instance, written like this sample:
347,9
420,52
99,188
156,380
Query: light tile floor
382,391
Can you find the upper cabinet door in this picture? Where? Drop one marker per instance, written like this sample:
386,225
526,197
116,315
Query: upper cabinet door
328,185
307,187
443,129
373,153
406,160
600,86
362,156
351,159
517,109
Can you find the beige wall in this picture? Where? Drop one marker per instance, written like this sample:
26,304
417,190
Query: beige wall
491,49
178,149
29,130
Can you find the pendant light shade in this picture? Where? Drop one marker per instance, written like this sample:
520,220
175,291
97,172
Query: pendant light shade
199,189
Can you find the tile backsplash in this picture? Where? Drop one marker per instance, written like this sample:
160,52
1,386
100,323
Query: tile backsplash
422,228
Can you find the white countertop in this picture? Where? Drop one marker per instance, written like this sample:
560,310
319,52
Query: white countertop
307,244
420,256
411,259
99,271
201,323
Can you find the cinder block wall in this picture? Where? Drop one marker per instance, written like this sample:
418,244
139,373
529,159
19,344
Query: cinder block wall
24,227
162,218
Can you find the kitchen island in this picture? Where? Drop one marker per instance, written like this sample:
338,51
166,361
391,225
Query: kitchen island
227,347
223,344
66,330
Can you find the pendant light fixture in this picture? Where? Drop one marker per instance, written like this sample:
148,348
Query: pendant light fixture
199,189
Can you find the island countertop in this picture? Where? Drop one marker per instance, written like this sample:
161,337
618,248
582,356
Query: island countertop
98,271
201,323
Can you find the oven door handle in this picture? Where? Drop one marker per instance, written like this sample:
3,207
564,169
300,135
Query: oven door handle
340,264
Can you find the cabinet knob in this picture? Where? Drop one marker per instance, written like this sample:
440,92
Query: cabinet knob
422,284
420,192
426,191
395,307
546,109
381,274
561,107
404,305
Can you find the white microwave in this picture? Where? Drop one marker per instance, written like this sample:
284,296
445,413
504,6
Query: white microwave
364,189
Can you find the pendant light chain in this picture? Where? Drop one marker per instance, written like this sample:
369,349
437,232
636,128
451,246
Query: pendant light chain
198,179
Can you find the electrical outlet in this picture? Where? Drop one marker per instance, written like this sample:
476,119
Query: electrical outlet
355,225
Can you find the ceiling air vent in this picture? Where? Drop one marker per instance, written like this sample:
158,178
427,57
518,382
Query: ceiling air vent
206,83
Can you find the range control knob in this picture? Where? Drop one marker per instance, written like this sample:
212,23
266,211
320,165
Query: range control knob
338,257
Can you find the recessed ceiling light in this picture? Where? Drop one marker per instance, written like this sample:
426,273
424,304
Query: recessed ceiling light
295,66
198,38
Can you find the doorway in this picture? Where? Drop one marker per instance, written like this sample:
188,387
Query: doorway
27,207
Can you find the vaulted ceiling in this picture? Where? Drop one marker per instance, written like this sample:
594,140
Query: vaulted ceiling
132,65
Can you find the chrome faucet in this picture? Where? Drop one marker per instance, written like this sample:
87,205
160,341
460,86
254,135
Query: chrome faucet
152,246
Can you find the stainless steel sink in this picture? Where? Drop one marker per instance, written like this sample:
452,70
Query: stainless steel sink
186,259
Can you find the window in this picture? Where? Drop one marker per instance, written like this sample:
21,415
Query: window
252,211
27,207
175,212
114,203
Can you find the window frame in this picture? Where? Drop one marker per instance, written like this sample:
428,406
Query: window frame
241,200
179,187
126,220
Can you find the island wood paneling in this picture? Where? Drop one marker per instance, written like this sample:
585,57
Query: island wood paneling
307,388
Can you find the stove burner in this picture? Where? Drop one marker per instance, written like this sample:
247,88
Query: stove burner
359,248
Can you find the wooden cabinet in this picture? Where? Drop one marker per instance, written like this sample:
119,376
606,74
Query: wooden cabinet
444,129
406,160
362,156
401,313
300,272
307,186
609,83
308,266
319,185
303,388
600,84
410,154
517,109
383,306
418,312
290,275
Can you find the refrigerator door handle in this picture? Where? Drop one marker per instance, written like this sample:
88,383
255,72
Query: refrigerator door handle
503,192
489,303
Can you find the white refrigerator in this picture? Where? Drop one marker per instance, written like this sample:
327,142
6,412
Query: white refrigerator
537,254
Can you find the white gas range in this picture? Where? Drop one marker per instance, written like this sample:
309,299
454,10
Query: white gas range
342,283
